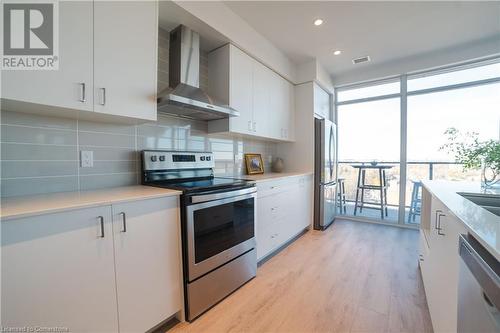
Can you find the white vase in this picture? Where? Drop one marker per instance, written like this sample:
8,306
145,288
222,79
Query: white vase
489,178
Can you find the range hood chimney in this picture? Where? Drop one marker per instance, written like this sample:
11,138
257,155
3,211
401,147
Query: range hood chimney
184,97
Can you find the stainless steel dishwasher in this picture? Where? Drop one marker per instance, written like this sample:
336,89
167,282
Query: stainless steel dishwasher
478,288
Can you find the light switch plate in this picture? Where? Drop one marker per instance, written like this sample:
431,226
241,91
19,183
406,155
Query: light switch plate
270,159
87,158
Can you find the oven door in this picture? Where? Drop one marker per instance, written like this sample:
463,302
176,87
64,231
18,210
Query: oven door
220,227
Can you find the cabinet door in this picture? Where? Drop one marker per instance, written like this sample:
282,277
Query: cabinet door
57,269
321,102
276,107
262,77
440,268
241,91
305,205
445,316
290,134
71,85
125,57
288,111
146,236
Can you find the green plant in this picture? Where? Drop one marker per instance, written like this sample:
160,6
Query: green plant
471,152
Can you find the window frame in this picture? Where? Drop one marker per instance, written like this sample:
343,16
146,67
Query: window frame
403,97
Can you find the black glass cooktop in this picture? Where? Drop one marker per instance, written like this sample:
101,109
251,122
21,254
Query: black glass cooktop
205,184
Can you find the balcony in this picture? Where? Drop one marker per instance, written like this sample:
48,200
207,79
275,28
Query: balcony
416,172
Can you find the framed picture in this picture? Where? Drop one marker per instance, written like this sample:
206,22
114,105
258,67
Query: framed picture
254,164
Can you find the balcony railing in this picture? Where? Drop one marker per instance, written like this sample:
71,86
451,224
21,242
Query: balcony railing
416,171
430,164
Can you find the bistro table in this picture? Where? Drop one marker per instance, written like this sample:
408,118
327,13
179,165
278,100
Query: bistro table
381,186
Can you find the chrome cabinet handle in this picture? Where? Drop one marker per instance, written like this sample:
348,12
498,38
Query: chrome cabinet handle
439,227
124,221
438,211
101,224
103,96
82,92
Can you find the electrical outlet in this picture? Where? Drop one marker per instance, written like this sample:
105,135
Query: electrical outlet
270,159
87,158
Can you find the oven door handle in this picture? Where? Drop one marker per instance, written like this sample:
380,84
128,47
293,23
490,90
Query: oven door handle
222,195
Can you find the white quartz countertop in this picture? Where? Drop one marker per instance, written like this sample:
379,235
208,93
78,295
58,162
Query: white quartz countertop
24,206
482,224
267,176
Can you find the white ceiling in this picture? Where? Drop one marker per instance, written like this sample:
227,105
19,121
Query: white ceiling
386,31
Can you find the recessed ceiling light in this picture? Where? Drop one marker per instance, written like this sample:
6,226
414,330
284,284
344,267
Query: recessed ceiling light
337,52
318,22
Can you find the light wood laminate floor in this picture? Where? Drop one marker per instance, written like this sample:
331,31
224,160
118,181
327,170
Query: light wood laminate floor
354,277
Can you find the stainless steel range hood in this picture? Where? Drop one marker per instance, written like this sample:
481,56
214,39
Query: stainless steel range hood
184,96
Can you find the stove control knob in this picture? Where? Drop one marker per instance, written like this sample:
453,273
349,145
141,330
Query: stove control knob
153,158
202,158
162,158
208,158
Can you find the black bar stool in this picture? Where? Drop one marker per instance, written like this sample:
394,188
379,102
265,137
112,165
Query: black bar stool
381,187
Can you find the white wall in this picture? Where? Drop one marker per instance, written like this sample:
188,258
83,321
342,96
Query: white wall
221,18
314,71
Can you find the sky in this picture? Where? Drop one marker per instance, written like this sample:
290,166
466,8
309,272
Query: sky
371,130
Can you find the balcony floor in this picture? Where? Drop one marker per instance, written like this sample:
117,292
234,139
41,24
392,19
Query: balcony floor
392,215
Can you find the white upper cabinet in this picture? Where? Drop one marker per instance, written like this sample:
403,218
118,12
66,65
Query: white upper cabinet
263,98
263,92
240,89
125,57
71,85
108,64
322,102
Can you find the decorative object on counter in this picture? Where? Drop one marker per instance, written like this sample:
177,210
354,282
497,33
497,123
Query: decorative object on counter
278,165
374,162
254,164
475,154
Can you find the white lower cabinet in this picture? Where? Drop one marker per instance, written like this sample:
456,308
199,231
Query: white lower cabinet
439,266
58,270
104,269
147,260
284,209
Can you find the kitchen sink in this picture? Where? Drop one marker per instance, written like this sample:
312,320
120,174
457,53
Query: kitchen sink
490,202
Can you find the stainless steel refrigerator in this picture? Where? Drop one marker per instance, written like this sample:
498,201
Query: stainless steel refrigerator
325,173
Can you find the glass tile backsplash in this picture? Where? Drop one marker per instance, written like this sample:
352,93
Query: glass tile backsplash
40,154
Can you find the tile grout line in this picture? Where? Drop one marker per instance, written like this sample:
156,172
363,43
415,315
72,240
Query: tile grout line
41,127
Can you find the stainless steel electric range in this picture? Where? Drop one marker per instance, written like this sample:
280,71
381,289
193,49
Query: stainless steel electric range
217,223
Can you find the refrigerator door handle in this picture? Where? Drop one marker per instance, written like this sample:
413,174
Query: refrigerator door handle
330,152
